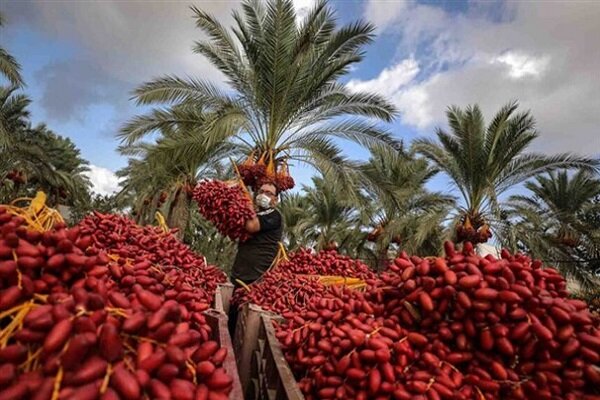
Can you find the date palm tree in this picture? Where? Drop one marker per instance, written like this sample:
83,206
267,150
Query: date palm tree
483,162
404,212
49,162
284,99
167,171
330,215
550,222
408,216
560,196
63,175
293,208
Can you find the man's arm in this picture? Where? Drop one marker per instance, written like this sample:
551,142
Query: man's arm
264,223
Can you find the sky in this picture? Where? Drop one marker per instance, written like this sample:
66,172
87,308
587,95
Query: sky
82,59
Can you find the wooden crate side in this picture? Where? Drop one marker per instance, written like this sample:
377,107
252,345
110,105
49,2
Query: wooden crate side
218,300
277,376
222,299
226,294
245,340
220,333
223,294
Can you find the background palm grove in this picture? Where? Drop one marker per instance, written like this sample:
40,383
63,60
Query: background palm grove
287,93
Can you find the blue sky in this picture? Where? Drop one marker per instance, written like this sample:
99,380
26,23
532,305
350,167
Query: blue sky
81,60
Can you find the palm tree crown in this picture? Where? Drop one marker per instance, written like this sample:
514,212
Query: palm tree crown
284,99
561,194
484,162
552,222
403,211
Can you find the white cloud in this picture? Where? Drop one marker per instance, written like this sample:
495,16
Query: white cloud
390,80
383,13
543,57
396,82
104,181
303,7
415,106
521,65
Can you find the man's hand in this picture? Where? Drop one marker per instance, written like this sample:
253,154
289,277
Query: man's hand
253,225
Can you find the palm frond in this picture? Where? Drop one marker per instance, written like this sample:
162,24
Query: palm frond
10,68
171,89
526,166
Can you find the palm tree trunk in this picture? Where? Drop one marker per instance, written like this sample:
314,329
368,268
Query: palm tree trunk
149,211
139,215
179,212
382,258
172,206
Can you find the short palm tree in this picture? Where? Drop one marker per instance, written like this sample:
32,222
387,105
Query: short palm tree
395,200
65,179
293,208
169,169
550,222
9,67
484,162
284,99
330,215
561,196
404,212
323,216
47,162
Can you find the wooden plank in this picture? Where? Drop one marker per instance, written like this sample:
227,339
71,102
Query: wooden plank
218,322
246,340
223,295
282,379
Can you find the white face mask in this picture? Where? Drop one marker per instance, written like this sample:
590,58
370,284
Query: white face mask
263,201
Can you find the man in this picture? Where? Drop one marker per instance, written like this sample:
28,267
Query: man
256,254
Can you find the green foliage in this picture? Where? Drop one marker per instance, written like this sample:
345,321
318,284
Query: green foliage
394,199
204,239
324,214
284,95
9,67
41,159
63,176
557,222
483,162
169,168
403,207
13,115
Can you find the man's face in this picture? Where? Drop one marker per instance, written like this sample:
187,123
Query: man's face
270,191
